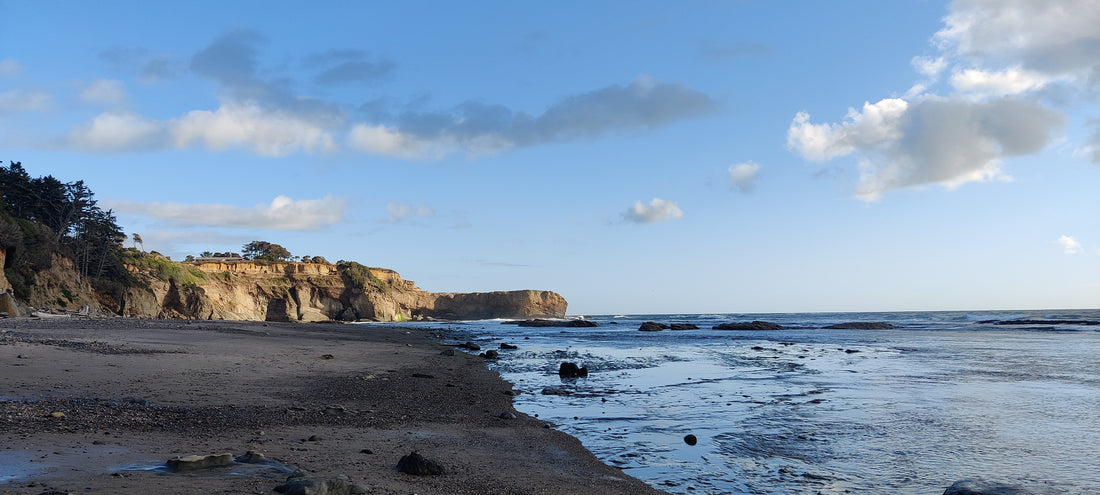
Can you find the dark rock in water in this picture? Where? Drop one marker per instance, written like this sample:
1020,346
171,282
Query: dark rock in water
555,391
539,322
318,486
196,462
862,325
490,354
652,326
979,487
755,325
418,465
683,326
571,370
691,440
508,347
470,346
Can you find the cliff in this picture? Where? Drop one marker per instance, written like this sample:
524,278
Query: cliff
310,292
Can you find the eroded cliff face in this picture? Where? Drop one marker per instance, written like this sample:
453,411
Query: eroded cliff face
318,292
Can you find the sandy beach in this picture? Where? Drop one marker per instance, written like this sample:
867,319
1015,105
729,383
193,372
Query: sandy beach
101,405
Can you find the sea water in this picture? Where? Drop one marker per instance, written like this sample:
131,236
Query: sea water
946,396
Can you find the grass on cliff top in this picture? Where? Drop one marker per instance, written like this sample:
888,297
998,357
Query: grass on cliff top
361,276
163,268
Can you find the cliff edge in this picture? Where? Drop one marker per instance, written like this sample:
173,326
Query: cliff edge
310,292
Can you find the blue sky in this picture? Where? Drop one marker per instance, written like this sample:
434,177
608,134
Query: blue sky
636,157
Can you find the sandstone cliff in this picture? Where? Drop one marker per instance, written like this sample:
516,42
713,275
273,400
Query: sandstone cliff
312,292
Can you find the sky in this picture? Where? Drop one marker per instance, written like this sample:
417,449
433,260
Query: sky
635,157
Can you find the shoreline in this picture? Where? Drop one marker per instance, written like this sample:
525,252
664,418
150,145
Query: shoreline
340,404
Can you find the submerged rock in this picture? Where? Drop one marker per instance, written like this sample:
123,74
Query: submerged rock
862,325
755,325
508,347
571,370
652,326
196,462
980,487
684,326
418,465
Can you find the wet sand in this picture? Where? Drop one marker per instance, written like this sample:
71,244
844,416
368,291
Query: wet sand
330,401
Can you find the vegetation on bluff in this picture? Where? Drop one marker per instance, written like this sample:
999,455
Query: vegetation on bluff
42,217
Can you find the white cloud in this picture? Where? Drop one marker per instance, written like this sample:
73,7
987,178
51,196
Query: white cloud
9,67
1070,245
400,212
658,210
876,124
928,141
1011,81
283,213
743,175
266,132
21,100
116,132
103,91
1054,38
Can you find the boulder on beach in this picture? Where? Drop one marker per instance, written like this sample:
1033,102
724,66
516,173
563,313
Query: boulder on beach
652,326
571,370
320,486
980,487
419,465
862,325
754,325
196,462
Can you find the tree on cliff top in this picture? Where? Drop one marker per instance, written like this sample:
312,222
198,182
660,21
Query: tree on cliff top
265,251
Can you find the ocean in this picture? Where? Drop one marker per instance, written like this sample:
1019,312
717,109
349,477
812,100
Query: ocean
943,397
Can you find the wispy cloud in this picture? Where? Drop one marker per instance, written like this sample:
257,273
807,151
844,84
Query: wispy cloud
283,213
477,127
402,212
743,176
348,67
23,100
1070,245
658,210
9,67
109,92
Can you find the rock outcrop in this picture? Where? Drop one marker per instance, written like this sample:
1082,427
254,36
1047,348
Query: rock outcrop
311,292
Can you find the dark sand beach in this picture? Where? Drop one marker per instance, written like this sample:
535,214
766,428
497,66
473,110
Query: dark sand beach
100,405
